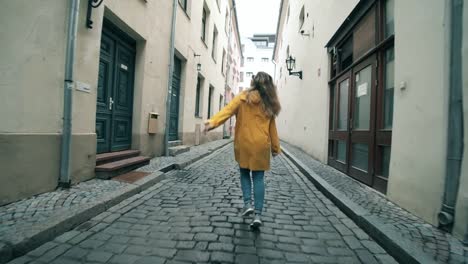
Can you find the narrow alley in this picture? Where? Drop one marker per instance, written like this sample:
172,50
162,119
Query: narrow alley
193,217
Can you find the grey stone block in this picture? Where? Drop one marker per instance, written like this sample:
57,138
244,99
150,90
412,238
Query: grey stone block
98,256
192,255
206,237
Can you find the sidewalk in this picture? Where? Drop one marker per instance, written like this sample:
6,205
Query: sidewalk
381,218
28,223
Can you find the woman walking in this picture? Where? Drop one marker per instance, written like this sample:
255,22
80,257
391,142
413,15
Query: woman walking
255,139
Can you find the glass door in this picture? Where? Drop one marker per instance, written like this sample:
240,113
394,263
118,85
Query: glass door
362,121
339,124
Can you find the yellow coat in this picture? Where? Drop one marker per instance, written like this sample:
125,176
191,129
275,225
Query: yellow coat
255,136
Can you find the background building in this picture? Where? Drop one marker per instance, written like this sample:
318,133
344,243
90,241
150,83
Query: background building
257,52
120,82
203,31
373,101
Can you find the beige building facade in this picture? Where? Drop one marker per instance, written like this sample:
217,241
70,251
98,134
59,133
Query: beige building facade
203,38
121,74
374,98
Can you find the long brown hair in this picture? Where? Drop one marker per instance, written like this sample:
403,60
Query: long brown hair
263,83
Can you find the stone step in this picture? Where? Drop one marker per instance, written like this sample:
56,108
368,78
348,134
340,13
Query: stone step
115,156
174,151
175,143
115,168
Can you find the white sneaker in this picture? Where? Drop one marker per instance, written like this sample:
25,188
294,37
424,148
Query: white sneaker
256,222
247,211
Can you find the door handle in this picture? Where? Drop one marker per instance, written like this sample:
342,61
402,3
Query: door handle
111,102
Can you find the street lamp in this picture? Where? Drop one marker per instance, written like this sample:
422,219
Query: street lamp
91,4
290,65
198,64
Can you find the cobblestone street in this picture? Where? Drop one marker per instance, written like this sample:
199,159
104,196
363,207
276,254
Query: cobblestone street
193,217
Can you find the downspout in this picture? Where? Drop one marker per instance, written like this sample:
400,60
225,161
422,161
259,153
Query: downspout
455,125
64,179
169,82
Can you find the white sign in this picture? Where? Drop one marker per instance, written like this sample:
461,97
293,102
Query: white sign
123,66
362,90
84,87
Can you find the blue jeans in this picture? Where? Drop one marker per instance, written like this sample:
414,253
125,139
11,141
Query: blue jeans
258,188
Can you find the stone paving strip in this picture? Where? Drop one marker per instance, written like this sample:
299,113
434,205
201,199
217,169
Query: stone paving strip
410,239
28,223
193,216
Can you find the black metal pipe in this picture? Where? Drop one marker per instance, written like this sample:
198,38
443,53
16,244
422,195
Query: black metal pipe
455,125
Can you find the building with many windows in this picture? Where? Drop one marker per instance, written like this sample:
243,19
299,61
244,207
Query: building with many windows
373,101
257,51
207,36
118,83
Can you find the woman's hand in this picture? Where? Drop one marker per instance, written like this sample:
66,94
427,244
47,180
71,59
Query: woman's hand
208,127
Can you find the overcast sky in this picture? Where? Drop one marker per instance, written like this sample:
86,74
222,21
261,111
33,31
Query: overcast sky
257,16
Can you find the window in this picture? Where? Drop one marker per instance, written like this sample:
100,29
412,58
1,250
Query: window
242,62
389,83
289,12
183,4
265,60
210,101
215,43
250,59
301,18
223,62
389,18
241,76
261,44
249,74
204,24
220,102
346,54
243,47
198,97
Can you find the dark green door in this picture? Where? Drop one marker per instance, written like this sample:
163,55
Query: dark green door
115,91
174,111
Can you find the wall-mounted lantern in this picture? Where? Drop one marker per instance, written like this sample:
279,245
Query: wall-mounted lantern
91,4
290,65
198,64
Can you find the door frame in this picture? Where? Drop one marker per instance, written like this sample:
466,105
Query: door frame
122,41
173,137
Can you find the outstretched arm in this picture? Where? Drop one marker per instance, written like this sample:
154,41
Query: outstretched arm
224,114
275,143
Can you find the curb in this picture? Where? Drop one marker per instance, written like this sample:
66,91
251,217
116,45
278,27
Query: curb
399,247
65,220
182,165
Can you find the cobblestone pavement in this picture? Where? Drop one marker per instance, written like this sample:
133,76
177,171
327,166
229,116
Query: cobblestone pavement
22,216
19,217
442,246
193,217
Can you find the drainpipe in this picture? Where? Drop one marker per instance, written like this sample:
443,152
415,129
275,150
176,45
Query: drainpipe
64,180
455,125
169,81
